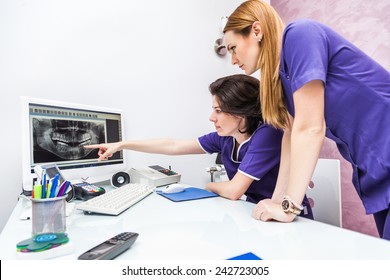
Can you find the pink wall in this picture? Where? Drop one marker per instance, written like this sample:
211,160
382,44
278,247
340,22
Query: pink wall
367,25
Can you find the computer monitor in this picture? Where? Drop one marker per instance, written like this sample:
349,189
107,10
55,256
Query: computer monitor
56,132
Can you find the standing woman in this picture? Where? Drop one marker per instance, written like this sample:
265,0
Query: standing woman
314,83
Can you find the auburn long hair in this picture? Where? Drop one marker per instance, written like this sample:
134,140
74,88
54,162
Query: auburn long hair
240,22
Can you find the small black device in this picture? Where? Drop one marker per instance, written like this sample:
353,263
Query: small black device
85,190
110,248
163,170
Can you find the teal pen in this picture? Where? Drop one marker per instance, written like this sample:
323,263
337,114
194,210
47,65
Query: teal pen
44,185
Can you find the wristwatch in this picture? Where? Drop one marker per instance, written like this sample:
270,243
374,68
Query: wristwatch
289,206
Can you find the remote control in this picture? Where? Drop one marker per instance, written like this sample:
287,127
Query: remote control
110,248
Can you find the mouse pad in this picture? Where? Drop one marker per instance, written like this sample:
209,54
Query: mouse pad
190,193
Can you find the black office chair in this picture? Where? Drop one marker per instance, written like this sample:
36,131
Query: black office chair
218,160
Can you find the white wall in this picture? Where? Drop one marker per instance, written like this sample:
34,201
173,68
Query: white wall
154,59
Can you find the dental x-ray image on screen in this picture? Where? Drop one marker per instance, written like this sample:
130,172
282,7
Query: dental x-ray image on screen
55,132
64,140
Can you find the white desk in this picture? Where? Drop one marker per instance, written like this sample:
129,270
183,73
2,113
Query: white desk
206,229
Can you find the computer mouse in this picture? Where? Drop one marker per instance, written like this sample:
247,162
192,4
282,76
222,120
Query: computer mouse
173,188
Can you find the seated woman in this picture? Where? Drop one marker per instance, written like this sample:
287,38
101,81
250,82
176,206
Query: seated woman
250,150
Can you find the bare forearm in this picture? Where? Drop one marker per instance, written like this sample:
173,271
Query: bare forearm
284,169
164,146
305,149
232,189
223,189
307,136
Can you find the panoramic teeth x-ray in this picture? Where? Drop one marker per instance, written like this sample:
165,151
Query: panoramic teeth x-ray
66,138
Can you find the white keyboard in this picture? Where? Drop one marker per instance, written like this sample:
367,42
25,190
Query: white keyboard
118,200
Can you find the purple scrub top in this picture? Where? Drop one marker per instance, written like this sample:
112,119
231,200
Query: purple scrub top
357,102
258,158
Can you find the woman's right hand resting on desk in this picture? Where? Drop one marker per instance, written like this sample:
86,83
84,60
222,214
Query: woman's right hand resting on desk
267,210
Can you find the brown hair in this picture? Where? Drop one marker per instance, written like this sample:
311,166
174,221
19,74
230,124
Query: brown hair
271,92
238,95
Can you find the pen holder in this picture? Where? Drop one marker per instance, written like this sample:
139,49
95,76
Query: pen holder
49,215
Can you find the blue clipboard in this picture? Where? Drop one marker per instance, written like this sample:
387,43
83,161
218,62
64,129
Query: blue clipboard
189,193
246,256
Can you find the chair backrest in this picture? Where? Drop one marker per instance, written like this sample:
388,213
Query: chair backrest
218,160
324,192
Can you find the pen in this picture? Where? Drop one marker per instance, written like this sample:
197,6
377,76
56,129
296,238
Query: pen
54,185
58,189
38,191
48,190
62,189
43,184
68,184
66,187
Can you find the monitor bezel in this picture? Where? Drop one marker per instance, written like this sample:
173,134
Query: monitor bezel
93,174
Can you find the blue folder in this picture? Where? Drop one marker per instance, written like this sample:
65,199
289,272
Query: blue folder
246,256
189,193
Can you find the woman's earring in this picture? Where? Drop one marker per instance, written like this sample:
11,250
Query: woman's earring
259,39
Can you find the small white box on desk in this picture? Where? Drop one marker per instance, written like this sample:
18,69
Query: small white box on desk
154,175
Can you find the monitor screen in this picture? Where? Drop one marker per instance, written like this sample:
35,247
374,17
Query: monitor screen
56,132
